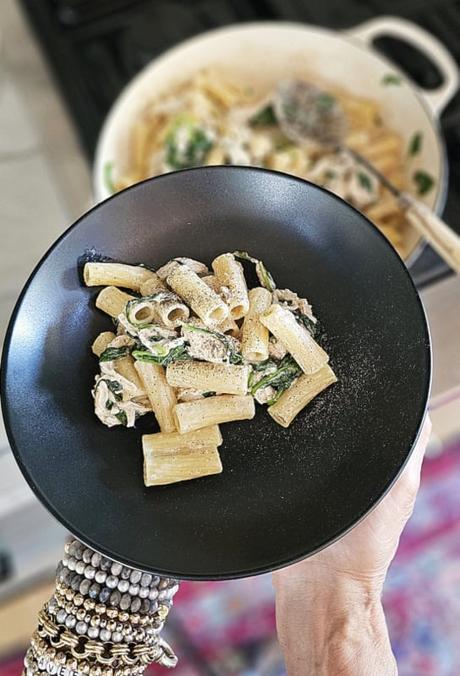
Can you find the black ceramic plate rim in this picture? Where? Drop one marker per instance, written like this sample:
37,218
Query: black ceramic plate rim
281,563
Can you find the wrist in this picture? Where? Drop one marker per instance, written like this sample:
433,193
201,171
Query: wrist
332,625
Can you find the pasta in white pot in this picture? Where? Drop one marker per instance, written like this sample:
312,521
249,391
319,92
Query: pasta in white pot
339,61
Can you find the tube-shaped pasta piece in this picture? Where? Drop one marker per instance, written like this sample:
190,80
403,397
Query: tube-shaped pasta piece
172,311
141,312
192,415
161,395
229,327
301,392
209,377
151,285
254,338
180,464
296,339
112,301
165,442
101,342
230,273
125,367
209,307
212,282
116,274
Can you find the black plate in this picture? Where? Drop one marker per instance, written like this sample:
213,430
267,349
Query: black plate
283,493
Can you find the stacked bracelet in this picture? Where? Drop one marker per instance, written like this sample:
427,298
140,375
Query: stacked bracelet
104,619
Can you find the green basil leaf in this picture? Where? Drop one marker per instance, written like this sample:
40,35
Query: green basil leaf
423,181
364,181
415,144
265,117
324,101
121,416
391,79
264,276
311,326
111,353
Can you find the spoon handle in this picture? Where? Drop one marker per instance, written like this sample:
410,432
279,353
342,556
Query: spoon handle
442,238
373,170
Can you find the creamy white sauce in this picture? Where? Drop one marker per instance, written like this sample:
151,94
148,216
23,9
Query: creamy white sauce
107,404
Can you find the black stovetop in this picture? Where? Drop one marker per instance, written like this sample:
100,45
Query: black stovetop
96,46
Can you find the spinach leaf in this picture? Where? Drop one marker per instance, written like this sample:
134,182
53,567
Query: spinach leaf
260,367
423,181
364,181
114,386
264,276
415,144
196,147
263,365
163,356
288,370
111,353
391,79
121,416
324,101
311,326
265,117
235,357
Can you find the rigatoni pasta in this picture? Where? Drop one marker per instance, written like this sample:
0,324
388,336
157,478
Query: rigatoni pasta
116,274
160,394
230,274
254,339
202,299
302,391
198,350
164,442
199,123
180,464
102,342
112,301
208,377
192,415
296,339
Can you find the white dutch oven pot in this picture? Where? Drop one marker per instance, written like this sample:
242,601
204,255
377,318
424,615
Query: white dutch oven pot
262,53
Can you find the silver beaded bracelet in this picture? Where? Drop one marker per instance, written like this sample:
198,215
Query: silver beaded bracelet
104,619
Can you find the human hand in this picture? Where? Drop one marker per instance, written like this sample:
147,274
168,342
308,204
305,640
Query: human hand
329,614
365,553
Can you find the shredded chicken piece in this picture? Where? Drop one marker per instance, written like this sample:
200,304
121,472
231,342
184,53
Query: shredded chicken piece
122,340
207,347
188,394
293,302
346,177
222,291
276,349
121,397
264,394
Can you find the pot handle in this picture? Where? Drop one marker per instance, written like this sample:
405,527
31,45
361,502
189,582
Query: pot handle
427,43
